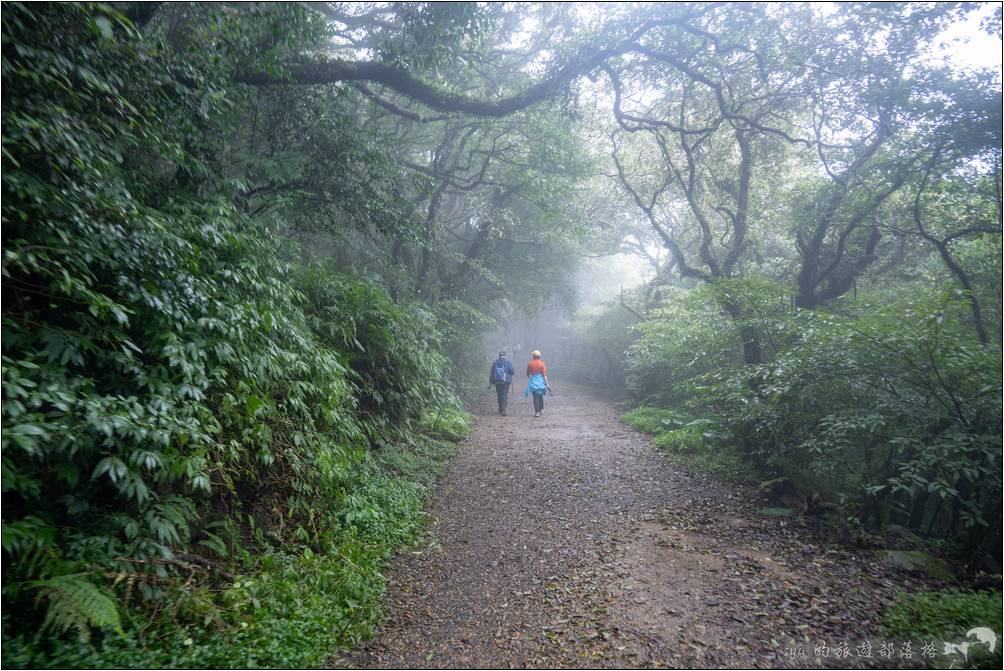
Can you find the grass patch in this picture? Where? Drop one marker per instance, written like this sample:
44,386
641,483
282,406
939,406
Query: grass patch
719,460
447,423
944,614
421,462
947,615
687,440
692,442
776,512
649,419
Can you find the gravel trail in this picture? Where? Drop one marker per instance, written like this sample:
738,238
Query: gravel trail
569,541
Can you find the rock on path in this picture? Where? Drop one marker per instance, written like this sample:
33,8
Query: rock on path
569,541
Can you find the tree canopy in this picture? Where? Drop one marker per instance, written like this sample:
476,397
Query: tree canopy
251,252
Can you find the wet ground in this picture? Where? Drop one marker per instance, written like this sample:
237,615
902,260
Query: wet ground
569,541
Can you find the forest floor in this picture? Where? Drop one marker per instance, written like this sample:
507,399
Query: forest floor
570,541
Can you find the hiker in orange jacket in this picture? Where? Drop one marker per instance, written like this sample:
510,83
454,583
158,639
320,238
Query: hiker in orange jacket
538,385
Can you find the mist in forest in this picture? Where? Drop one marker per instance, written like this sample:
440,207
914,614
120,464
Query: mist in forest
259,257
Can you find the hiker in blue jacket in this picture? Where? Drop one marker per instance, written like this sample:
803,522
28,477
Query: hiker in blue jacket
500,375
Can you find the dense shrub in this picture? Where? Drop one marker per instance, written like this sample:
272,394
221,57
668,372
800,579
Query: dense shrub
691,335
288,606
893,409
393,351
896,407
188,412
461,327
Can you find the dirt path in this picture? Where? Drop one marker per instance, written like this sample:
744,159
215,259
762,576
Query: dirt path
569,541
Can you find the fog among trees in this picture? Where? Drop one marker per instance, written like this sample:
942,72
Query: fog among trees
257,257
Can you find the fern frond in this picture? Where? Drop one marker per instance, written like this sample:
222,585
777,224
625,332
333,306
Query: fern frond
214,543
75,603
25,534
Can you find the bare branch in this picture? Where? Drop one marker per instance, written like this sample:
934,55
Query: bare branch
649,210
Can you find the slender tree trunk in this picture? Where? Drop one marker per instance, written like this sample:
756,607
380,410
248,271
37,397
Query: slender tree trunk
752,349
430,236
963,278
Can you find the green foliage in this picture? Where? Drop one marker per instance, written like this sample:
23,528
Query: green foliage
77,604
946,616
775,512
890,404
652,420
695,443
461,327
393,351
687,337
434,34
896,408
211,443
183,399
702,449
287,608
447,422
891,408
422,461
682,440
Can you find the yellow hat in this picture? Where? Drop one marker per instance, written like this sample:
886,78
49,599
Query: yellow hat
535,353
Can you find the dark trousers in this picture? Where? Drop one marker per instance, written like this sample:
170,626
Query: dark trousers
502,389
538,402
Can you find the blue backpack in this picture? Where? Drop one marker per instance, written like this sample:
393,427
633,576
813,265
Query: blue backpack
499,374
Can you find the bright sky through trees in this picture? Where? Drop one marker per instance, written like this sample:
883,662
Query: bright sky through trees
967,46
254,255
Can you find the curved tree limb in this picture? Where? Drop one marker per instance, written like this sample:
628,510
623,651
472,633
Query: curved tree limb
329,71
671,244
946,254
395,109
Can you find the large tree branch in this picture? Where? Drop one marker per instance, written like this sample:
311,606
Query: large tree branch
331,71
970,231
689,186
740,221
728,111
367,20
630,309
646,123
453,175
811,247
852,225
395,109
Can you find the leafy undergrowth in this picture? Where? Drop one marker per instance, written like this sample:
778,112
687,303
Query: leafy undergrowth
211,442
447,422
693,443
649,419
949,615
284,609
